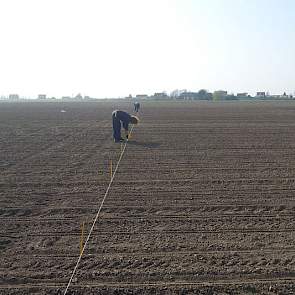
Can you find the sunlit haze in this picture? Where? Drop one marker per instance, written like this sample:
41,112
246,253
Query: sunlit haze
109,48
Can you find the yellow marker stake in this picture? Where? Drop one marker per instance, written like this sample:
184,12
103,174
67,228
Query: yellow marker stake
82,238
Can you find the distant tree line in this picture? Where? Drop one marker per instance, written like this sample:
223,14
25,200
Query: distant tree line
221,95
202,94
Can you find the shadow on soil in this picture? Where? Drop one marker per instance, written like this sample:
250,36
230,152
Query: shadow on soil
145,144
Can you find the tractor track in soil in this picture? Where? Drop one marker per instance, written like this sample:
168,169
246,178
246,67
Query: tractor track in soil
87,285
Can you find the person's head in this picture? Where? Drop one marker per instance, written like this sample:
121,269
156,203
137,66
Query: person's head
134,120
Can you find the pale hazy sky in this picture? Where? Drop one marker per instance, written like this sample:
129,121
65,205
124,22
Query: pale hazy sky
113,48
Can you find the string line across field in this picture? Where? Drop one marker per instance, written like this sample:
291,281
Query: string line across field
113,174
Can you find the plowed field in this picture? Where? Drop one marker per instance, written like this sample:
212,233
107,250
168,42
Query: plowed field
202,202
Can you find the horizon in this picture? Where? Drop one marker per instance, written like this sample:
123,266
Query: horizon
241,95
110,49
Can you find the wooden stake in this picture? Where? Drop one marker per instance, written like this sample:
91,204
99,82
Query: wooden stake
82,237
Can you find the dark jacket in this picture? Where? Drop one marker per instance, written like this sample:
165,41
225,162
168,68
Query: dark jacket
124,117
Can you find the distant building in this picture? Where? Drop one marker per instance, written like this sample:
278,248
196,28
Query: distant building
221,92
260,94
188,95
140,96
42,96
242,94
175,93
160,94
279,96
13,96
66,98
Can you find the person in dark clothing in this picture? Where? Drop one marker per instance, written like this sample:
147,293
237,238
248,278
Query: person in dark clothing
124,119
136,106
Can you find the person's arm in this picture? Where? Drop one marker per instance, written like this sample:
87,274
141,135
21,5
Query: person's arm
125,119
125,125
126,128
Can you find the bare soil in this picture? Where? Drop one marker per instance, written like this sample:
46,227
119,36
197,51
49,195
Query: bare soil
202,202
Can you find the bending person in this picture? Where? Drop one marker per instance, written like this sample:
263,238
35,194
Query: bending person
121,118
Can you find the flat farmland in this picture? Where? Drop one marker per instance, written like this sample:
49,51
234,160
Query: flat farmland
202,202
